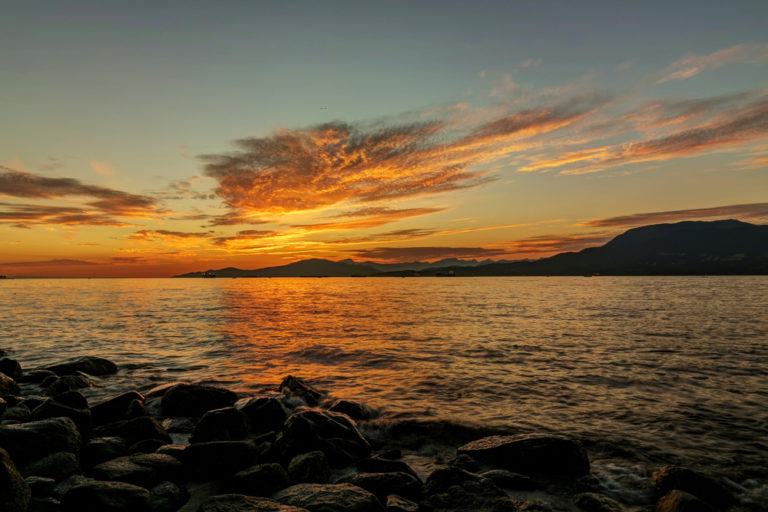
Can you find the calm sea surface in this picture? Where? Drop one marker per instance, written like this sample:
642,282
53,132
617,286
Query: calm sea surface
645,370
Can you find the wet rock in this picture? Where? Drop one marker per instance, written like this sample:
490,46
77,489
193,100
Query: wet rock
240,503
329,498
159,390
30,441
382,465
681,501
87,364
11,368
294,387
593,502
264,414
30,401
543,455
174,450
397,503
697,484
36,376
40,486
195,400
8,386
53,408
509,480
134,430
261,480
454,489
352,409
384,484
67,383
146,446
309,467
168,497
334,434
114,409
179,425
17,413
57,465
65,485
144,469
106,497
72,399
14,491
217,458
101,449
226,424
442,479
136,409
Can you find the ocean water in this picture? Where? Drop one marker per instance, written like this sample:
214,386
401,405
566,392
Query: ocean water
644,370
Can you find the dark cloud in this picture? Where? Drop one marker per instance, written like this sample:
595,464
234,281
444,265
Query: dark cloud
368,218
245,235
404,254
127,259
26,215
162,234
48,263
739,211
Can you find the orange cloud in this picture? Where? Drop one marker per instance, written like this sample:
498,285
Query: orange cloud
752,211
695,64
545,245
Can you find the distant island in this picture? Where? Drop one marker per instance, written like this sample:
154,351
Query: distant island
723,247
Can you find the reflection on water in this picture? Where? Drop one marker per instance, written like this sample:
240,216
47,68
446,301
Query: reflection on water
674,365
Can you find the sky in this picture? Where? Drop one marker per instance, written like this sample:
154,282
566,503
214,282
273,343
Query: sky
156,138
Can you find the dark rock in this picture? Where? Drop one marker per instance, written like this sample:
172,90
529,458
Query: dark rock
334,434
8,386
240,503
329,498
264,413
681,501
697,484
146,446
543,455
68,383
593,502
52,408
390,454
47,381
383,465
144,469
442,479
46,504
397,503
101,449
17,413
467,463
31,441
168,497
217,458
134,430
159,391
14,491
227,424
509,480
136,409
3,406
454,489
352,409
261,480
294,387
87,364
11,368
36,376
384,484
65,485
114,409
309,467
57,465
40,486
174,450
106,497
195,400
180,425
32,401
72,399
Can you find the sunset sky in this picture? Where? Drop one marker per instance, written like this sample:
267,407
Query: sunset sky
155,138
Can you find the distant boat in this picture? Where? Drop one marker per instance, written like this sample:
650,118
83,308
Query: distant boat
209,273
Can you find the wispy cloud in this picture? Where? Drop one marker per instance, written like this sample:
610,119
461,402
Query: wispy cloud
695,64
62,262
162,234
751,211
27,215
399,254
552,244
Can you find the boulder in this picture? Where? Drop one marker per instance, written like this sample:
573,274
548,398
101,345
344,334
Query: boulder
702,486
293,387
397,503
101,449
14,491
30,441
11,368
8,386
143,469
240,503
57,465
217,458
382,465
442,479
261,480
36,376
106,497
352,409
195,399
309,467
180,425
47,504
72,399
329,498
134,430
174,450
168,497
3,406
334,434
509,480
87,364
264,414
52,408
18,412
67,383
541,455
681,501
146,446
115,408
226,424
593,502
384,484
453,489
40,486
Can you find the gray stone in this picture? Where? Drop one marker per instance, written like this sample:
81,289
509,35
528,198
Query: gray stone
52,408
144,469
334,434
294,387
217,458
14,491
509,480
115,408
309,467
11,368
8,386
352,409
67,383
397,503
101,449
226,424
195,400
329,498
264,414
168,497
241,503
261,480
87,364
702,486
593,502
57,465
384,484
134,430
106,497
33,440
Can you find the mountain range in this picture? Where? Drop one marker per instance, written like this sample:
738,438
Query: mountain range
684,248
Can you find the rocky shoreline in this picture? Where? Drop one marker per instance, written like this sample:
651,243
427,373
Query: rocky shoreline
191,447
